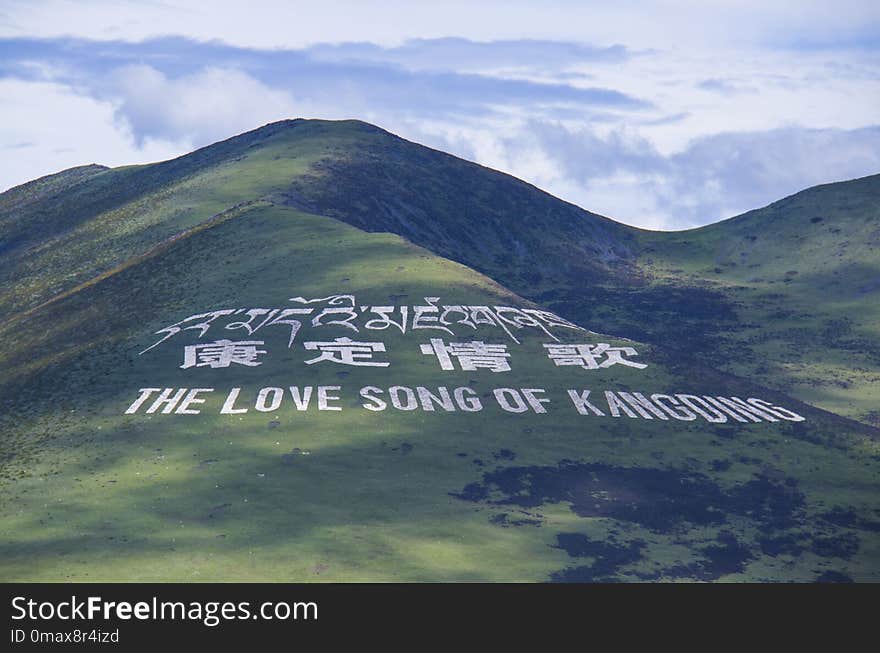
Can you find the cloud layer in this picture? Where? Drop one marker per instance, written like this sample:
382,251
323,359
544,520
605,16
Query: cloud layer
654,134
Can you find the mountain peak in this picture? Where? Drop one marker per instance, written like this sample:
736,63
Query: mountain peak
237,363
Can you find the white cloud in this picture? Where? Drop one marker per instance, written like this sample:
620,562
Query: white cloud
46,127
622,175
634,133
776,89
210,105
714,177
282,23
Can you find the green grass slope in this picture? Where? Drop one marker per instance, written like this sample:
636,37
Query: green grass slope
14,202
95,261
90,493
787,295
68,236
801,279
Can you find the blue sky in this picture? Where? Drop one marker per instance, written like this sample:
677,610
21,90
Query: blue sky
660,114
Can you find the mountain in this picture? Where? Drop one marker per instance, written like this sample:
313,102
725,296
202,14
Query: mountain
788,294
423,473
750,295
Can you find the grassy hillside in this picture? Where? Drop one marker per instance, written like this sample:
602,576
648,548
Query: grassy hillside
748,295
14,203
802,280
787,294
69,236
92,493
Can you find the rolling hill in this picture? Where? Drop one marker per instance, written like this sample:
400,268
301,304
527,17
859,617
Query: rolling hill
789,294
271,467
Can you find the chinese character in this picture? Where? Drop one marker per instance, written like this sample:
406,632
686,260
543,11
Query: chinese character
346,352
471,355
587,356
222,353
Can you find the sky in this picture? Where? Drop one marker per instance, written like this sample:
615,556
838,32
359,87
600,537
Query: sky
663,115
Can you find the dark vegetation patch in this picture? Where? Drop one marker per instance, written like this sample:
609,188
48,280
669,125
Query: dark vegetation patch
504,519
840,516
727,556
725,431
674,502
685,317
789,544
833,577
838,546
774,504
608,558
801,431
661,500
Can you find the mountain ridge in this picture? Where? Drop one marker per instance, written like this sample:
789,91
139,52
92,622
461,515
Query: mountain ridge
704,298
249,479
